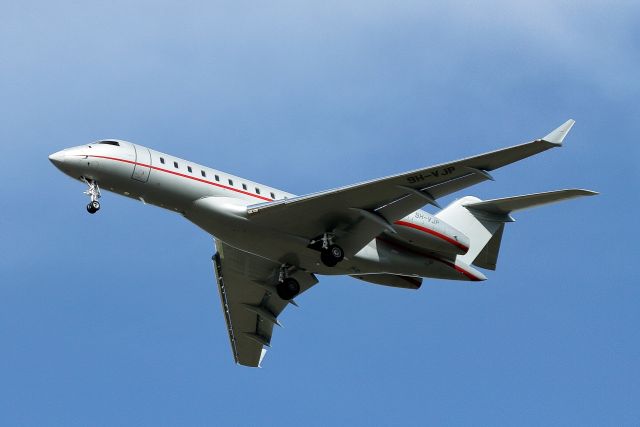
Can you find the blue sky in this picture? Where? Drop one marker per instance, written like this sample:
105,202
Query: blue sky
114,319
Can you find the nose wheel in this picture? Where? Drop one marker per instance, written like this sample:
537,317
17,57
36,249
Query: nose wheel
93,207
94,194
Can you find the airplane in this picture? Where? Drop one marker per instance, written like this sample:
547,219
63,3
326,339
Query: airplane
271,244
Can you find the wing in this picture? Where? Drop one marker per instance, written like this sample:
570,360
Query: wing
357,213
249,302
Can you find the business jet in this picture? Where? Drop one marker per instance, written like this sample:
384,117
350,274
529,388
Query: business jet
271,244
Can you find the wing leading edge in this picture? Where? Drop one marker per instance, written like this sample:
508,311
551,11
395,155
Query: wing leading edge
357,213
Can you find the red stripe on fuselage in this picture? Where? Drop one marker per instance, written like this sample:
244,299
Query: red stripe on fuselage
435,258
450,264
433,233
181,175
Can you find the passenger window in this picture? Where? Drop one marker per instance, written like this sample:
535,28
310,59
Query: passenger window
175,164
162,160
189,169
204,174
257,190
273,196
244,186
230,182
217,178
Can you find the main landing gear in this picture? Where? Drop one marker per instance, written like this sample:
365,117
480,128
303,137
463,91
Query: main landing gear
94,194
287,287
330,253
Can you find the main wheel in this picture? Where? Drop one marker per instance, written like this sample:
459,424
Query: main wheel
336,253
332,256
91,209
288,288
95,205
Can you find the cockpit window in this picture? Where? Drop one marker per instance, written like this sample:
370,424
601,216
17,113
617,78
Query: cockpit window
116,143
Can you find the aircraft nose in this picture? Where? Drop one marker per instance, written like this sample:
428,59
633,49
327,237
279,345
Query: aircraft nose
57,158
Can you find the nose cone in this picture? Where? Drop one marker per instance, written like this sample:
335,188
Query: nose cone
57,158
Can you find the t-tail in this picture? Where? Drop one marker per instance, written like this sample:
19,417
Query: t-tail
483,221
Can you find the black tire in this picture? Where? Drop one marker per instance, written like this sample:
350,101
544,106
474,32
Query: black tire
288,288
90,209
336,253
327,259
95,205
333,255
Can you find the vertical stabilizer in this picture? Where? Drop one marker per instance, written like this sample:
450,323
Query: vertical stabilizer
483,221
483,231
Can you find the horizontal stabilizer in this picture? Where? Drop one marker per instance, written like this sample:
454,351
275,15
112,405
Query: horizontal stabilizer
505,206
483,222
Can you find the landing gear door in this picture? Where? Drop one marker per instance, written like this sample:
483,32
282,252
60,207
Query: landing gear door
142,168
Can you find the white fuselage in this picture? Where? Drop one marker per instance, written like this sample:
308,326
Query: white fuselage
217,202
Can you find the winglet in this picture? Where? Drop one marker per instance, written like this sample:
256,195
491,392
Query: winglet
557,136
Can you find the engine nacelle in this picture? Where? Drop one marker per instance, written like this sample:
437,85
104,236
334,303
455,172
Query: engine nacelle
425,231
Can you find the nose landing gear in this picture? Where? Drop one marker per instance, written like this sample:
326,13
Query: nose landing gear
93,207
94,194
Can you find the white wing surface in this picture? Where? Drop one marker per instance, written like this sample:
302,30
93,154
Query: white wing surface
250,303
506,205
357,213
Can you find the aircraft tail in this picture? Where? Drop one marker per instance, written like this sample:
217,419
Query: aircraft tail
483,221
